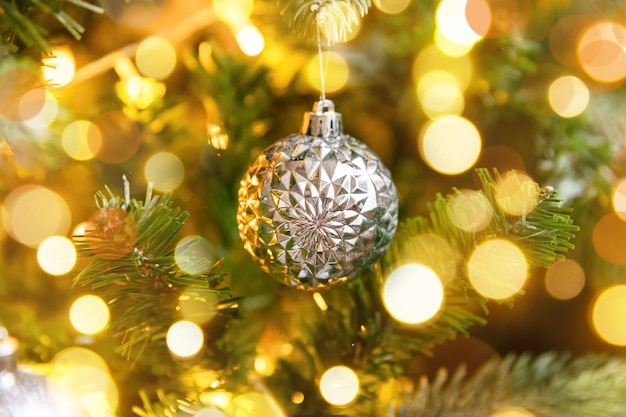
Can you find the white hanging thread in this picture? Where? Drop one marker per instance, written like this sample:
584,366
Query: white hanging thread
323,69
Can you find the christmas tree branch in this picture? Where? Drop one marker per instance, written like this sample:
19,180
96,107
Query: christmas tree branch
551,384
335,16
128,247
17,19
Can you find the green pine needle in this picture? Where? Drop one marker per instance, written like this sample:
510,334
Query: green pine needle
551,385
336,16
19,19
141,280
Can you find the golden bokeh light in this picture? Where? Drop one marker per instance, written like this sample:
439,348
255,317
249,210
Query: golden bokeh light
193,254
21,94
431,58
563,34
264,365
413,294
450,48
498,269
81,140
509,17
120,137
432,251
209,412
478,16
155,58
253,404
470,211
139,92
34,213
250,40
607,316
185,339
198,304
440,94
165,171
568,96
320,301
339,385
217,398
56,255
565,279
453,20
450,145
59,67
391,6
86,375
335,72
46,115
89,314
297,397
601,52
619,198
517,194
609,238
511,411
339,21
233,12
31,104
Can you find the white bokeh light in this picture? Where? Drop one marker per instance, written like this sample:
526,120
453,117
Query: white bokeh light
339,385
413,293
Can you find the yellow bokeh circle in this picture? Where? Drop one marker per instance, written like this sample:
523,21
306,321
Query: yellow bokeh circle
450,145
497,269
607,316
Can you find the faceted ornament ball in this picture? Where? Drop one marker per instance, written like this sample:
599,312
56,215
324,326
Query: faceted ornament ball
319,207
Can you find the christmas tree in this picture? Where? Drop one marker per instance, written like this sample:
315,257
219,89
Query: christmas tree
312,208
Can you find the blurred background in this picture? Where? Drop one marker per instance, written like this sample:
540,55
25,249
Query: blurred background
184,96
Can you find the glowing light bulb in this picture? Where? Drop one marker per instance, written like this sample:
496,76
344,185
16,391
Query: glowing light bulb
185,339
59,67
339,385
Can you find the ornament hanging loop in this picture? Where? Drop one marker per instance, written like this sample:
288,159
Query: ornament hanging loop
323,121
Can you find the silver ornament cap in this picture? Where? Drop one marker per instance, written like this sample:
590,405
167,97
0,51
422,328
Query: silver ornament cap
319,207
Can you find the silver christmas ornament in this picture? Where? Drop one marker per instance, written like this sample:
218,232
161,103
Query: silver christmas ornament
26,394
319,207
